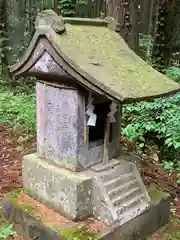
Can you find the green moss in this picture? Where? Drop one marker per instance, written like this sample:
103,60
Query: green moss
171,231
110,64
156,194
78,233
3,220
14,195
13,198
107,62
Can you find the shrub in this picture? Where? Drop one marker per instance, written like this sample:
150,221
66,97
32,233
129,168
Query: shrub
17,110
156,122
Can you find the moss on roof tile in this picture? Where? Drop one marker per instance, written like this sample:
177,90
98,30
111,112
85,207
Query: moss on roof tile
106,58
102,57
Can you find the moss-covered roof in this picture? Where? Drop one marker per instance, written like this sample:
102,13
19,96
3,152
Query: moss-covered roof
102,57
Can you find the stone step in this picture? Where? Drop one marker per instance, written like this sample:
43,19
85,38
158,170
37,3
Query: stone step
104,167
116,172
130,213
127,197
135,203
118,181
114,192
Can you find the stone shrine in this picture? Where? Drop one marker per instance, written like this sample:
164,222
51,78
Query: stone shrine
85,72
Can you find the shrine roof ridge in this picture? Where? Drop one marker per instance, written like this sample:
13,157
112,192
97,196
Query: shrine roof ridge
86,21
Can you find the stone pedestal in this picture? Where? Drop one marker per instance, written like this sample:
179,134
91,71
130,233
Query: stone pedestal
67,192
33,220
113,193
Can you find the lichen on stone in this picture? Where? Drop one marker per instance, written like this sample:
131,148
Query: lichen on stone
49,18
14,195
78,233
156,194
14,198
116,70
119,70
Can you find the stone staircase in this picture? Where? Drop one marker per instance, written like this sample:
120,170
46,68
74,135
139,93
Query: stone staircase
124,190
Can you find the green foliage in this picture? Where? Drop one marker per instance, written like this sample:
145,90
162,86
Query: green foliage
172,165
146,46
25,84
173,73
3,39
82,2
156,122
178,175
160,117
17,110
67,8
17,84
7,231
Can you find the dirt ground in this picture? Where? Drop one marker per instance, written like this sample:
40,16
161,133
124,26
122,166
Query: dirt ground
10,162
13,147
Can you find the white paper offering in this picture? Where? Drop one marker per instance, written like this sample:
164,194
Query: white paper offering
113,108
90,110
92,120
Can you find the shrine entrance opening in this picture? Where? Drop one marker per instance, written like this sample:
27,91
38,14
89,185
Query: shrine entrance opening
97,132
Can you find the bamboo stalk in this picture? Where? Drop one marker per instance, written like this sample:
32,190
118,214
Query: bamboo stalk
106,141
46,113
85,135
85,122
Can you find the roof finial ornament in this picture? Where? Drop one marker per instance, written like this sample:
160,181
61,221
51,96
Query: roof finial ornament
50,18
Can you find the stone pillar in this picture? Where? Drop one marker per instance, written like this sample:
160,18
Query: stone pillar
60,124
47,175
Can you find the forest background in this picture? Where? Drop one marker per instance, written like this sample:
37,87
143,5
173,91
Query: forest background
151,28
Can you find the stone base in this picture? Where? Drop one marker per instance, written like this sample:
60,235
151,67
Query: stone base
34,220
67,192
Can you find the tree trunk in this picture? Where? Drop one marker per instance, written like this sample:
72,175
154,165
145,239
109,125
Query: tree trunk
16,29
125,12
3,40
168,24
134,35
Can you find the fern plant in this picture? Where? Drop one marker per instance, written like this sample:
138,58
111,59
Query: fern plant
7,231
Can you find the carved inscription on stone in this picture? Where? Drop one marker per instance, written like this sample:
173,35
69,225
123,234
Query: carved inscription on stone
61,133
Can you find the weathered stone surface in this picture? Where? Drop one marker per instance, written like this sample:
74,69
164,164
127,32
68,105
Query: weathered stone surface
67,192
26,225
46,64
118,194
60,129
102,167
145,224
50,18
58,124
31,224
102,205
